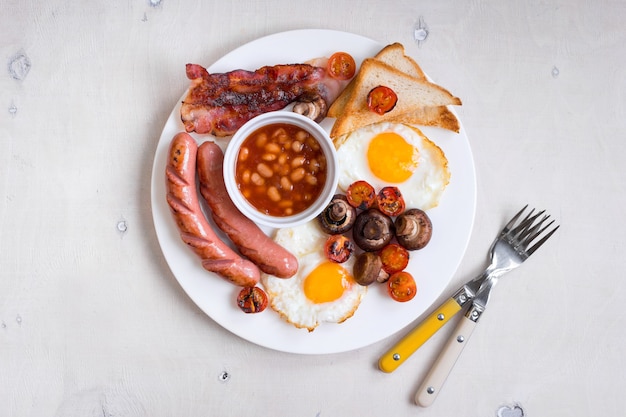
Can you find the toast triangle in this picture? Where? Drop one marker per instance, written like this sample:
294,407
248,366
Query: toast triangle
413,94
392,55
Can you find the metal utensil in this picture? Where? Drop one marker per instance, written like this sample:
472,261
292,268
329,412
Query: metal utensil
508,251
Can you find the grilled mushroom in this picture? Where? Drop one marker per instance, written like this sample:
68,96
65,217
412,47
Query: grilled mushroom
372,230
368,268
413,229
314,108
338,216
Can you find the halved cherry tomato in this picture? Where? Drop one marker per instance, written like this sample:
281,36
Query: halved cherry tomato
381,99
341,66
390,201
401,286
394,258
252,300
361,194
338,248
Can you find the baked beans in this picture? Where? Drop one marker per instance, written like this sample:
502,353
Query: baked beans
281,169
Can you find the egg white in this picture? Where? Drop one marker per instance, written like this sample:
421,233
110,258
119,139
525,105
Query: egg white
287,296
427,183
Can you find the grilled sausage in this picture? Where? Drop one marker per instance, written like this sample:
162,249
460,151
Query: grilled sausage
195,231
251,241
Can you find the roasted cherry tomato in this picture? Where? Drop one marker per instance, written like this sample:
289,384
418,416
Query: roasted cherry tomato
390,201
361,194
338,248
401,286
341,66
381,99
252,300
394,258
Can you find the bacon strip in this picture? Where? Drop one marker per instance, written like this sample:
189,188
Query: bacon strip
221,103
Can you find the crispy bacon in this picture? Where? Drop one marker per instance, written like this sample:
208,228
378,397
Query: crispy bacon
221,103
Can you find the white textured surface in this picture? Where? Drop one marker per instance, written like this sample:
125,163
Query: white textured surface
92,323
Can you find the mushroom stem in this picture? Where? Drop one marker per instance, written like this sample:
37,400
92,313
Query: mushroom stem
413,229
372,230
338,216
406,226
337,211
314,109
305,108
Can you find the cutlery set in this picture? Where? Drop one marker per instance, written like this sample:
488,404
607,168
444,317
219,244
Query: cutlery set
516,242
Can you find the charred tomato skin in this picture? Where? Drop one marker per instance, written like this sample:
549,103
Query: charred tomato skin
361,195
390,201
338,248
401,286
381,99
252,300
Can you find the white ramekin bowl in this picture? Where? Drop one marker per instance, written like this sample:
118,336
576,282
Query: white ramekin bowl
231,157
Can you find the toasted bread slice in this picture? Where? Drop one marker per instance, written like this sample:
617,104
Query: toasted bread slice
439,116
338,106
392,55
413,94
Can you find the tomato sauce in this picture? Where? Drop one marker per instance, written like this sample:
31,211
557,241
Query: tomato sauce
281,169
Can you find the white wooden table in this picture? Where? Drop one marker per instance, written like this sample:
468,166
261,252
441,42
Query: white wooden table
92,321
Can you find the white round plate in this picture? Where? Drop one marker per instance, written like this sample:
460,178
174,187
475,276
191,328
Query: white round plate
378,316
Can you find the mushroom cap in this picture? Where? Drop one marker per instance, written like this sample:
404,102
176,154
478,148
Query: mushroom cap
338,216
372,230
413,229
368,268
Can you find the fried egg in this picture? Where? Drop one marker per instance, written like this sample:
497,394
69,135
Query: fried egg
321,290
395,154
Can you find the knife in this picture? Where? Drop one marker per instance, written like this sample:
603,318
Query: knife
402,350
436,377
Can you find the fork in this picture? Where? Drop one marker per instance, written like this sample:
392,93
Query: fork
508,250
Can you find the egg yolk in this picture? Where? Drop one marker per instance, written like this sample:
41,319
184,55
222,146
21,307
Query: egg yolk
391,158
326,282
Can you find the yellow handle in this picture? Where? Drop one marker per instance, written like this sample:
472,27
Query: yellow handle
400,352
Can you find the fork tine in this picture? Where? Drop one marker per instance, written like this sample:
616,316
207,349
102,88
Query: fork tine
533,248
523,227
529,233
536,231
511,222
520,236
